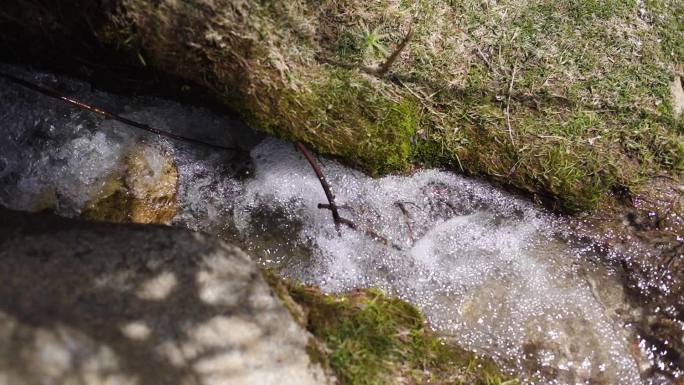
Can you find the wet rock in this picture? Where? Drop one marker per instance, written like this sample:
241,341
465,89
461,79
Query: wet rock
145,193
55,157
130,304
644,246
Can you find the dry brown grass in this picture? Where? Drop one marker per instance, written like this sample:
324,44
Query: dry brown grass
588,111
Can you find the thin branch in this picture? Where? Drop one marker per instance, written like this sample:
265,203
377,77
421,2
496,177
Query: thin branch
376,71
332,206
373,234
325,206
99,111
484,59
405,211
337,219
395,55
481,54
508,105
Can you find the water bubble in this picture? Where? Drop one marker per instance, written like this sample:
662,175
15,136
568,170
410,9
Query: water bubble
487,268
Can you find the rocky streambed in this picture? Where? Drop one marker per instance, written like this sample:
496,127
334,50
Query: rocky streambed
491,271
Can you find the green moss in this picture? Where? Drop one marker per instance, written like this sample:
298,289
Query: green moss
380,128
367,338
588,110
563,99
668,18
347,114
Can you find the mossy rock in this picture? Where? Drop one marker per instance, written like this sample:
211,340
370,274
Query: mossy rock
566,100
365,337
144,193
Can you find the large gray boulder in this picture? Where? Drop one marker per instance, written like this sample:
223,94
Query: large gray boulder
95,303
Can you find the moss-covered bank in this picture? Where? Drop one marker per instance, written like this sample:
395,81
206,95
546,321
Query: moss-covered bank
568,100
365,337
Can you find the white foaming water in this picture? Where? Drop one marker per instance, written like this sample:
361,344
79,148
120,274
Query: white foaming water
485,267
488,269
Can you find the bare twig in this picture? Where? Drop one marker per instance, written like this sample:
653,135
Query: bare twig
77,103
405,211
337,219
482,56
393,57
325,206
371,233
377,71
332,206
508,105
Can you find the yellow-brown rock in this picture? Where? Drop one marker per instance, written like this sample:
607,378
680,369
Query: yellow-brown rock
145,192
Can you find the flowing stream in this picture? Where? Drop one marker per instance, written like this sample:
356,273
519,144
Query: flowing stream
491,271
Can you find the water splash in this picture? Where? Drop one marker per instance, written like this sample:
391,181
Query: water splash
488,269
485,267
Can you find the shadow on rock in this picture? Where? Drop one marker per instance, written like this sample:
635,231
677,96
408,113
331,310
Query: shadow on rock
89,303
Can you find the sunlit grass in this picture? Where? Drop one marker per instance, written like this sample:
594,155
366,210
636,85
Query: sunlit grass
567,101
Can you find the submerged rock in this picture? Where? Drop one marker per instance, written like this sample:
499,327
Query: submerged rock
502,276
127,304
146,193
55,157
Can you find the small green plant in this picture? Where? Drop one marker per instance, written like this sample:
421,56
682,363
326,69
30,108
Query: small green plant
568,101
371,42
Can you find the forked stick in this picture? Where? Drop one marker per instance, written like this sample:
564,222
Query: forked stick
337,219
332,206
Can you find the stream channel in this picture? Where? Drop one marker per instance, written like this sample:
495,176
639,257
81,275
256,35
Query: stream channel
490,270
